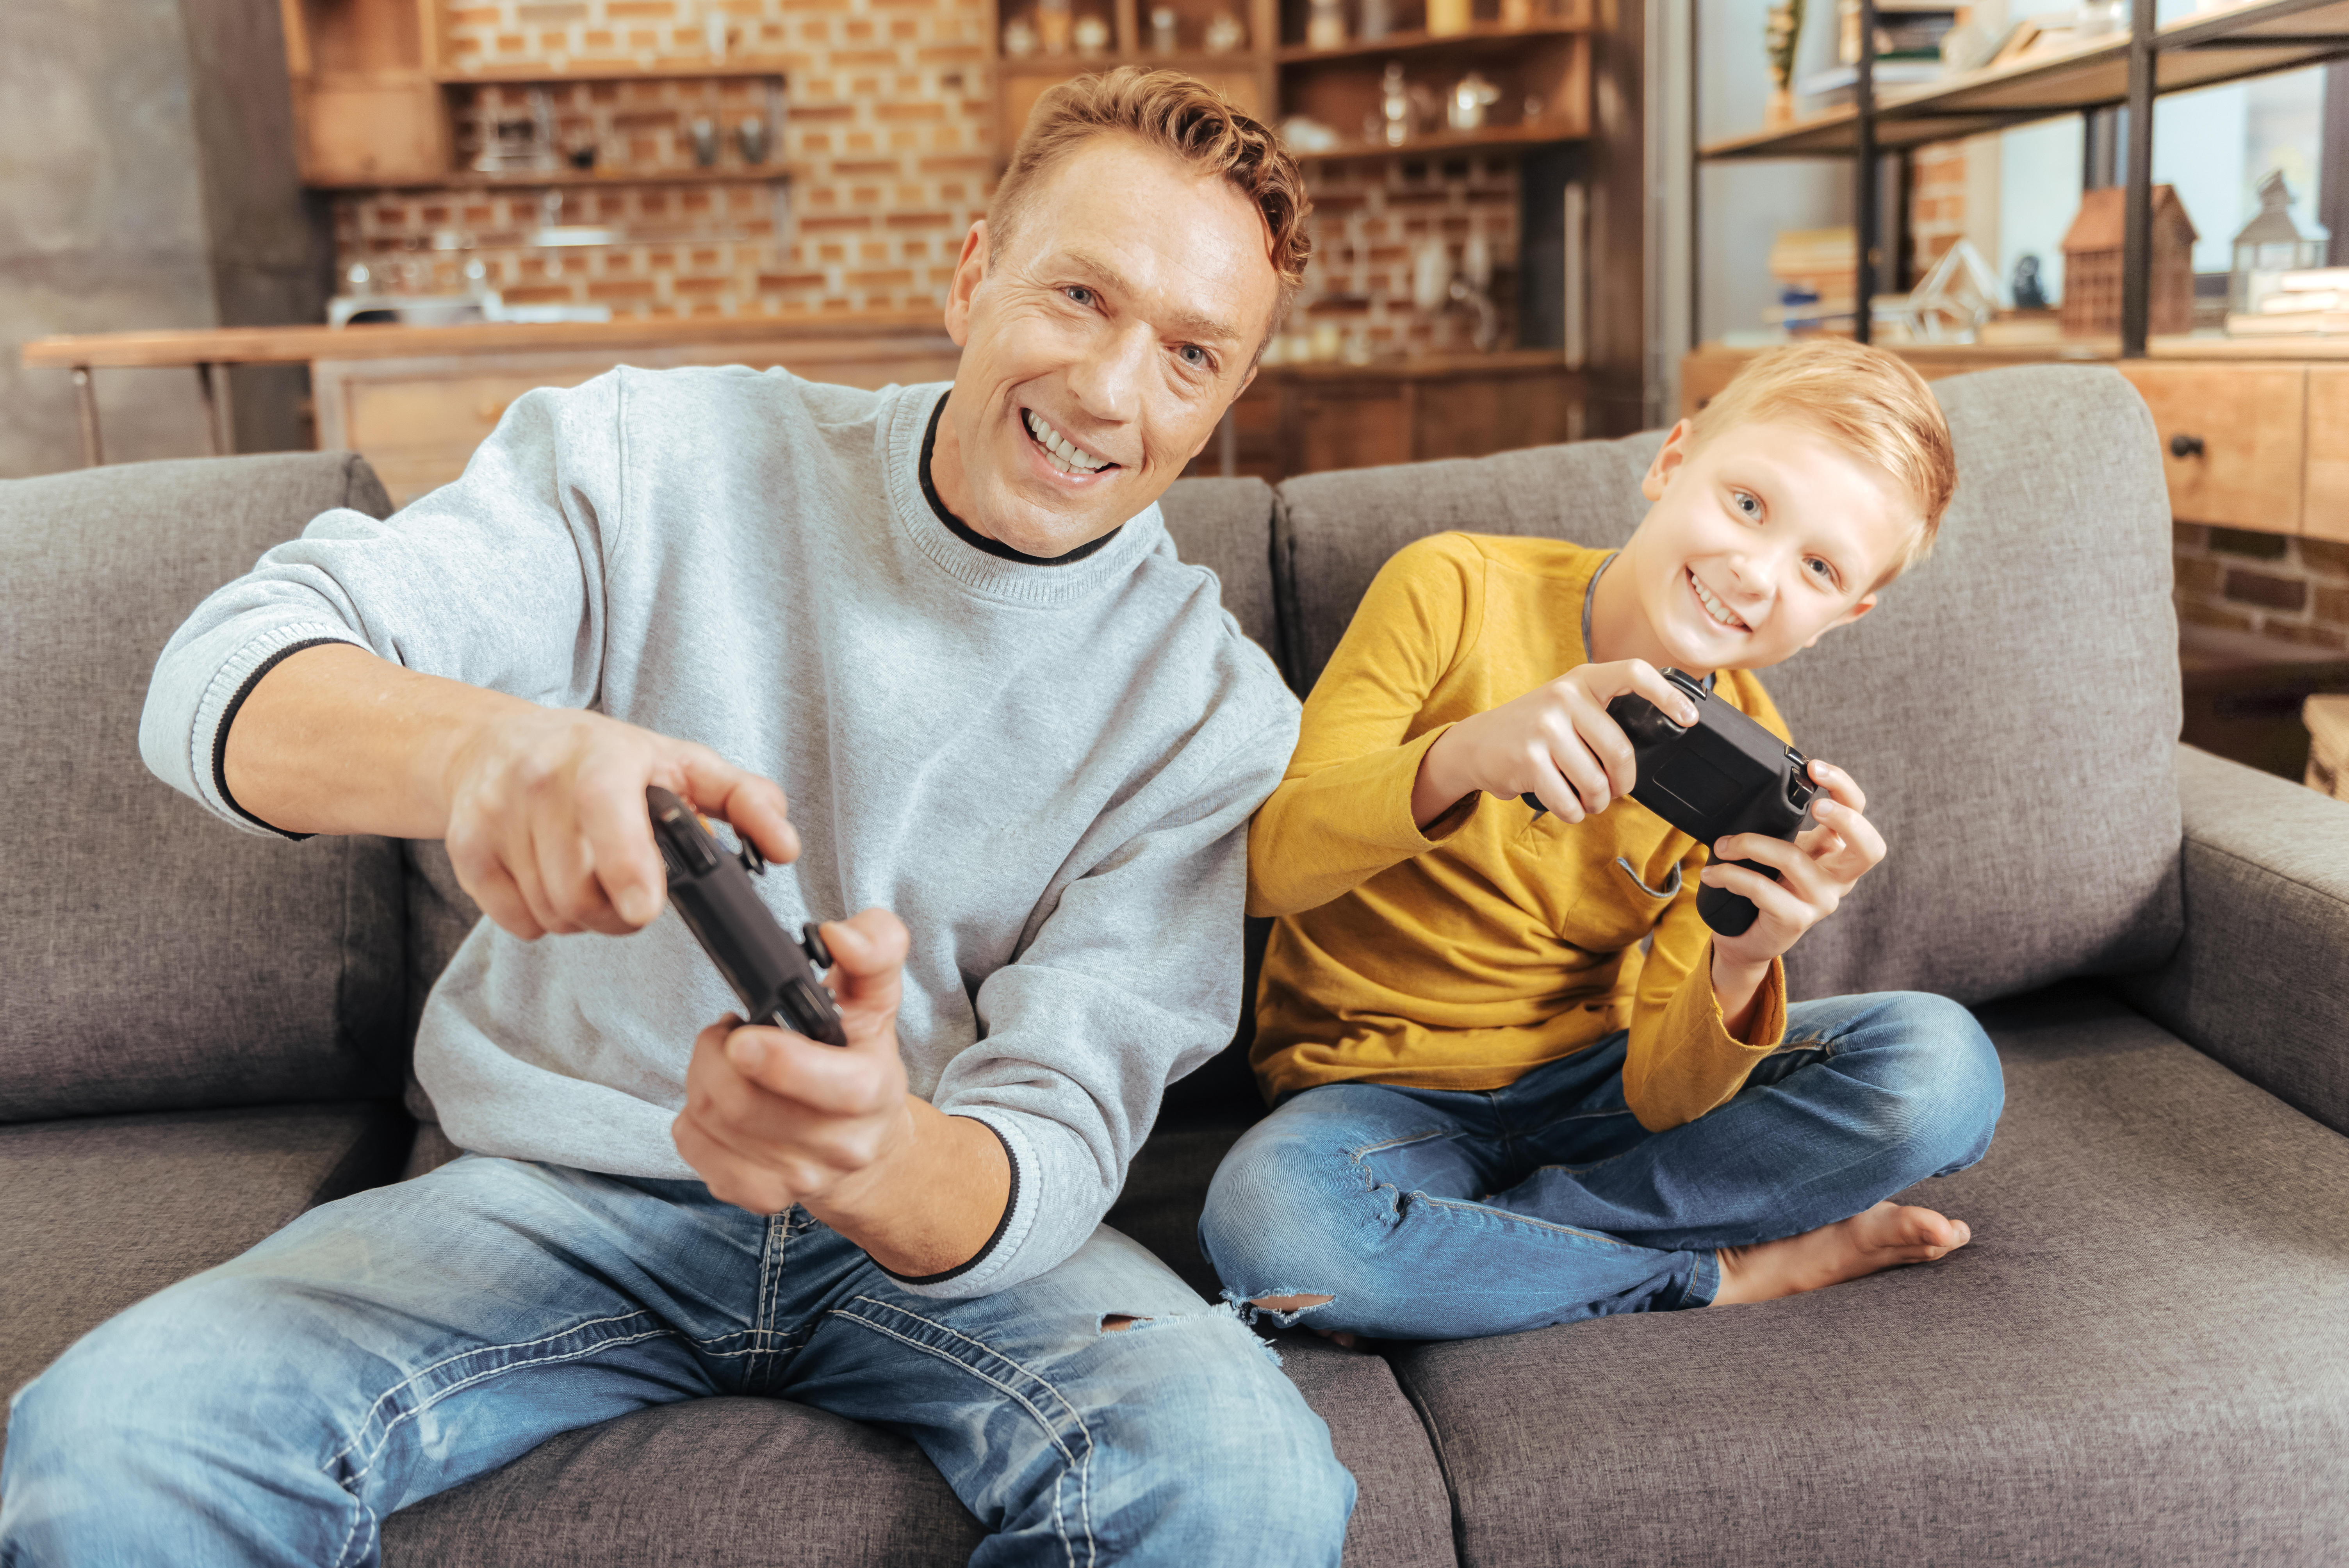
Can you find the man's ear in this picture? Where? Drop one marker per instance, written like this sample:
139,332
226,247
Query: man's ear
1669,458
1867,602
970,271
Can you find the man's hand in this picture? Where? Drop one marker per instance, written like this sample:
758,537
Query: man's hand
773,1119
542,807
1555,742
1815,873
547,820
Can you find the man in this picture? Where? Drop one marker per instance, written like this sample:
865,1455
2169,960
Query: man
1017,732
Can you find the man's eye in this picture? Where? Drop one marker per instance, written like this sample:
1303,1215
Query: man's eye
1077,293
1195,356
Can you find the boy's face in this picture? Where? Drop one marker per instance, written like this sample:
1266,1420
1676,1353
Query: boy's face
1761,539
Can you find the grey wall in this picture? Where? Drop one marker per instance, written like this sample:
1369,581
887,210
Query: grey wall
147,180
1743,206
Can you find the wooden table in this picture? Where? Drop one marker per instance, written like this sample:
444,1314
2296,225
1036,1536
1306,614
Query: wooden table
418,399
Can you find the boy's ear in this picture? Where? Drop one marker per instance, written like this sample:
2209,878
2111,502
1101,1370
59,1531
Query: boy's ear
1867,602
1669,458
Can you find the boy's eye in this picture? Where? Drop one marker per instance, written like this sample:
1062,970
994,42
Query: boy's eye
1825,572
1747,503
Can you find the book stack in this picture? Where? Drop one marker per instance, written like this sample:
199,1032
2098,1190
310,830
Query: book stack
2309,301
1816,274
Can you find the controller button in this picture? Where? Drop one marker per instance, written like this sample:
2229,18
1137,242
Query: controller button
812,943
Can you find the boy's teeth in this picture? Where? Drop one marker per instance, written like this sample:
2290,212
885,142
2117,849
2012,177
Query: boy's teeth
1066,454
1719,611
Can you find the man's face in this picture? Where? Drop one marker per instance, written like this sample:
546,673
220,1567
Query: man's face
1760,539
1101,345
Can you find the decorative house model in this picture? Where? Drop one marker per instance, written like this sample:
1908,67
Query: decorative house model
2092,264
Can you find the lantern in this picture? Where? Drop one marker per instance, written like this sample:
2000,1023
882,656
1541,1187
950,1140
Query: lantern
2269,245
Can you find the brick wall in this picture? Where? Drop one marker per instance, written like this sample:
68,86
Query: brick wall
1937,202
1371,217
888,135
2291,589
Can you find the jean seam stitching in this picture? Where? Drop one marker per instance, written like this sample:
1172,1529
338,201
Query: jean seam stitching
1516,1218
1083,1467
363,1511
1407,1137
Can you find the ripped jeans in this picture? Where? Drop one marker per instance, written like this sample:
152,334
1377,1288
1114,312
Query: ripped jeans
1442,1215
400,1342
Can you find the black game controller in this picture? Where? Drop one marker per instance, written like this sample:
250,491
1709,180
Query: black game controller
1723,774
774,976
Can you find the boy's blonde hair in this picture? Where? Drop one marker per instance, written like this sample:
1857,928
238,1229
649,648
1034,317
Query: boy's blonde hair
1176,114
1870,403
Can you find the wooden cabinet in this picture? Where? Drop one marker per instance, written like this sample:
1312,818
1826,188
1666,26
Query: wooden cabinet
1311,418
417,421
2324,499
2233,439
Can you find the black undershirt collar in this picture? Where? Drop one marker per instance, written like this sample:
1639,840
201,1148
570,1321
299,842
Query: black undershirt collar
978,540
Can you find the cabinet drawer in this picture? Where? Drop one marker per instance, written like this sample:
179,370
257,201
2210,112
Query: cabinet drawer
2325,510
2250,420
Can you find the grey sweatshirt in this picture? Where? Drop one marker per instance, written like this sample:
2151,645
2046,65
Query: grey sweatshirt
1045,770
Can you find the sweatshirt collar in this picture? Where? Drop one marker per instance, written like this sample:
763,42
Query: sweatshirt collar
958,552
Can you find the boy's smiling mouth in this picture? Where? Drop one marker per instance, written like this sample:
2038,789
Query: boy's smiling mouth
1720,614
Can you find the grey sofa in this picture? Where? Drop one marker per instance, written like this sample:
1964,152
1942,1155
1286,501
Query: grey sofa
2143,1357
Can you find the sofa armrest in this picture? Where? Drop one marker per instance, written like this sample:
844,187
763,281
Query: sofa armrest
2261,981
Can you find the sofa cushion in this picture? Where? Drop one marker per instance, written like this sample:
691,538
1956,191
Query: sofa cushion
100,1212
762,1484
1225,526
2138,1359
2011,706
151,957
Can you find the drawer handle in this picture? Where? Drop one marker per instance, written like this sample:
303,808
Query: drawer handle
2184,446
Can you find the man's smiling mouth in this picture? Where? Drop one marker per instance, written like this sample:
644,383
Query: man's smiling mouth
1721,615
1059,450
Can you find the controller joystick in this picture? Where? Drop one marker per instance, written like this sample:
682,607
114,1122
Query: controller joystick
773,976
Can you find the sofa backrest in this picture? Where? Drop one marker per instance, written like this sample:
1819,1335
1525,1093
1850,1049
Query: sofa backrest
151,957
2011,707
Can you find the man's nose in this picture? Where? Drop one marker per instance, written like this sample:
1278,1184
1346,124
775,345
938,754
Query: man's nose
1108,381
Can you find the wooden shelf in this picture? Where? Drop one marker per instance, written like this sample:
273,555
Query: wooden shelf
1484,38
1447,143
477,179
608,71
2197,51
1193,60
299,344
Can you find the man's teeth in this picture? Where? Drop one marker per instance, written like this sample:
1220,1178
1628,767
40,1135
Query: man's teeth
1715,608
1066,455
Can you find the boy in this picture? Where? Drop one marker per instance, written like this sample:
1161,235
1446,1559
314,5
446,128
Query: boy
1492,1109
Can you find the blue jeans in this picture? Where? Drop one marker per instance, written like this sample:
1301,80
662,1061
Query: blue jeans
393,1345
1442,1214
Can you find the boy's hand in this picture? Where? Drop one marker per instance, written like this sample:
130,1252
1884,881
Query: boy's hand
1556,743
1815,873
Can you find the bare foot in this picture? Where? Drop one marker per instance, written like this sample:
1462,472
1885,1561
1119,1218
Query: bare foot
1884,1237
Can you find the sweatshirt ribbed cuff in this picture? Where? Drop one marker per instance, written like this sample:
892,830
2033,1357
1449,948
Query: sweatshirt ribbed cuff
974,1277
230,684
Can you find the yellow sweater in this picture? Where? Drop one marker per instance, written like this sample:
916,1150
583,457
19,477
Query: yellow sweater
1466,956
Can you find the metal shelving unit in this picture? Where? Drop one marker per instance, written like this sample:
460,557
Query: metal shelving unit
2125,70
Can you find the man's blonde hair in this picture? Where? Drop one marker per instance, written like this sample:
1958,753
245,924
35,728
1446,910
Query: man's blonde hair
1178,113
1872,404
